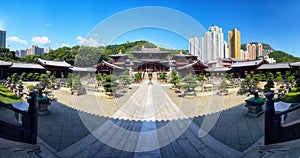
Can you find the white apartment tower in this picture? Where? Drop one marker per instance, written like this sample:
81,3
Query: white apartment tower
194,46
212,44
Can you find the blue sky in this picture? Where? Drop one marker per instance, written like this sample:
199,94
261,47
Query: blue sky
54,23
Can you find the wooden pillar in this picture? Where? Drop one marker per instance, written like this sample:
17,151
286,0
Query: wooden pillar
269,117
33,114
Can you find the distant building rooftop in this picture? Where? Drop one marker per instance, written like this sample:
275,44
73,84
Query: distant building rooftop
27,66
83,69
192,64
247,63
5,63
44,62
218,69
274,66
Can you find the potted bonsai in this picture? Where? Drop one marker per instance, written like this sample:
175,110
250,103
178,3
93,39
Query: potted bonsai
20,89
76,86
138,77
110,86
175,80
124,80
189,83
14,78
222,87
254,104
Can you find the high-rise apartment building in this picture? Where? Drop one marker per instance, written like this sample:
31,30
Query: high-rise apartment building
194,46
2,39
234,44
212,44
254,51
48,49
35,50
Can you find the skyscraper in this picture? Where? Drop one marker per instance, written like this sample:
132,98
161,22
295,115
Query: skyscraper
2,39
212,44
35,50
254,51
194,46
259,50
234,44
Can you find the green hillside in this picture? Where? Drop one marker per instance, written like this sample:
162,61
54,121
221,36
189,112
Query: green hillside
84,54
282,57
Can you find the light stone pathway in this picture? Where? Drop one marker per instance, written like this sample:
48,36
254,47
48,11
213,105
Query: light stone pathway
149,102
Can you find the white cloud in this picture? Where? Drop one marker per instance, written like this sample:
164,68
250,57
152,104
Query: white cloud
17,40
88,42
42,40
64,45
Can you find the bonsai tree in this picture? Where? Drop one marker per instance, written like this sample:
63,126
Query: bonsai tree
270,76
124,79
110,84
223,85
30,77
268,86
23,76
138,77
189,82
14,78
175,79
48,73
8,81
76,85
200,79
248,86
69,81
229,76
20,86
162,76
44,80
36,76
257,77
291,78
278,78
263,77
52,80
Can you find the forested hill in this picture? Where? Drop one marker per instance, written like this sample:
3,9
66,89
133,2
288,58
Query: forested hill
76,53
282,57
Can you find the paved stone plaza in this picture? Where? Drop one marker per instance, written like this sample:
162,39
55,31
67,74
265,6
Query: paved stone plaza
149,121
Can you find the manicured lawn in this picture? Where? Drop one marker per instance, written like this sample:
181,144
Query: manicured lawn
6,96
292,97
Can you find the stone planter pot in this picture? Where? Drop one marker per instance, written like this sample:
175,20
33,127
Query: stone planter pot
254,106
189,94
75,92
109,95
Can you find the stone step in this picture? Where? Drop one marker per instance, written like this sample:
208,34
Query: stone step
18,153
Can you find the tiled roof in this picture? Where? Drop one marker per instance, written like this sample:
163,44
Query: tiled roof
27,66
247,63
53,63
218,69
295,64
109,64
274,66
190,65
5,63
83,69
150,50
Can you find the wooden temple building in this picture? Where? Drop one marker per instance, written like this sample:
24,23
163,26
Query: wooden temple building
57,67
242,68
186,64
150,60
